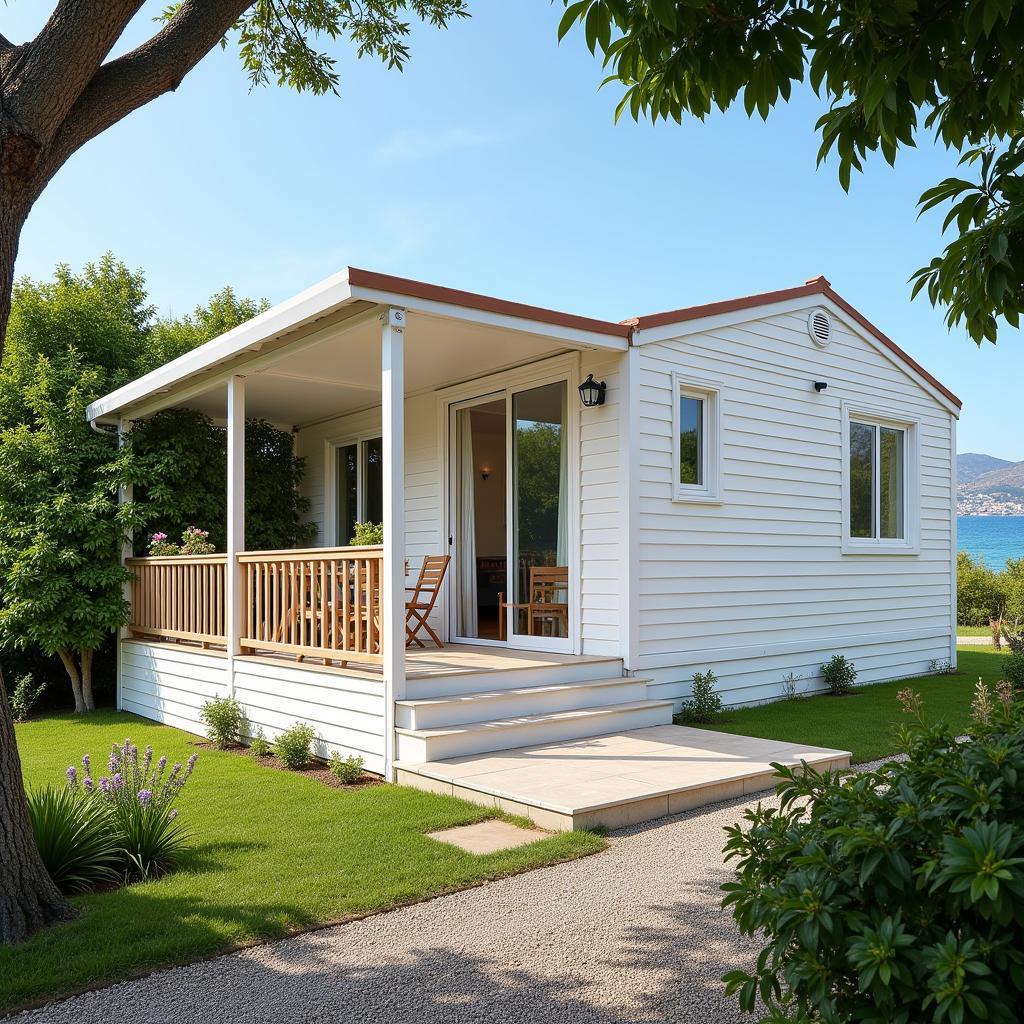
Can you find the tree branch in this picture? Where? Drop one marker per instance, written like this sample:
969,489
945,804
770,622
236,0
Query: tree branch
49,74
131,81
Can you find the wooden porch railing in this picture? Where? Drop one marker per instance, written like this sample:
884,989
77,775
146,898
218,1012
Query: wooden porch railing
319,602
179,597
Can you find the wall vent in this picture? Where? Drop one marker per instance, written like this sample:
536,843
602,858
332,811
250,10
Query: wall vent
819,327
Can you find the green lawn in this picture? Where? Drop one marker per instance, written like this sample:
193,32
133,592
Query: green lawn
865,722
272,852
973,631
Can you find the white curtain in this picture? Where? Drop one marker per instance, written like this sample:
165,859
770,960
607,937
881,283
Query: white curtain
562,554
468,624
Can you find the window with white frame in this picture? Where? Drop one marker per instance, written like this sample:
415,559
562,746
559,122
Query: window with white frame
695,440
358,486
879,483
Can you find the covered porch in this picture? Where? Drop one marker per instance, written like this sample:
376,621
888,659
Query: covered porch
381,382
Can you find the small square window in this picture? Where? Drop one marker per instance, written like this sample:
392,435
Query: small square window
695,440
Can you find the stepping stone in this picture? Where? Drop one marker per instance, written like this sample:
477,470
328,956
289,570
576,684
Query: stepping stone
487,836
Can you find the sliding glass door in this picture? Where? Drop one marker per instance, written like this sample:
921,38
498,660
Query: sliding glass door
540,527
510,536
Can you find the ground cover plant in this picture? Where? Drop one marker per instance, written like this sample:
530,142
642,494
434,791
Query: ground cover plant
867,721
892,896
271,852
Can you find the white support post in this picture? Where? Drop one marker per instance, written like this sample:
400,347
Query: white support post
125,495
236,521
392,378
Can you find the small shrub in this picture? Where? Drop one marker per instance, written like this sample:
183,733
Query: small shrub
138,796
223,718
294,745
894,894
160,545
1013,669
24,696
196,542
346,769
76,838
368,534
704,704
790,689
839,675
259,745
940,667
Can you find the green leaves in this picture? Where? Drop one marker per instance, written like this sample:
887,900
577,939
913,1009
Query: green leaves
890,896
279,40
884,70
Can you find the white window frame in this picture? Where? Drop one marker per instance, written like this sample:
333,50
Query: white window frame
710,393
910,543
331,482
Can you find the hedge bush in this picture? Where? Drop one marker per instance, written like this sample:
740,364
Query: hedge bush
894,896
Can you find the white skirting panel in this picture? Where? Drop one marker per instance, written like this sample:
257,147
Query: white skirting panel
748,675
169,684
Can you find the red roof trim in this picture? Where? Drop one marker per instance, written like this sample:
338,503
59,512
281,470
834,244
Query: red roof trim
484,303
816,286
625,329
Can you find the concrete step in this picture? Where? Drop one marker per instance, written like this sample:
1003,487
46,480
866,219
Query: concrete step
463,708
519,674
420,745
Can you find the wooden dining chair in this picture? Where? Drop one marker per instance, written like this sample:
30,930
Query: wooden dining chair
424,596
548,605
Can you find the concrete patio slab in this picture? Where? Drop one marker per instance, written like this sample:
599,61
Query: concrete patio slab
619,779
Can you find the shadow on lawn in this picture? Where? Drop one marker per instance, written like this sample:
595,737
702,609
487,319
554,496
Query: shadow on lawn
478,967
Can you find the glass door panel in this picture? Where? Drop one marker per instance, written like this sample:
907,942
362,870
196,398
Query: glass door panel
539,569
480,533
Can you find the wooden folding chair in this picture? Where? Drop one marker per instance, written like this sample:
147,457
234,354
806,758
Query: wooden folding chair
424,596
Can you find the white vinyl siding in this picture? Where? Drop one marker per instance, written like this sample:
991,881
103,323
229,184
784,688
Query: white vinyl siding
759,585
602,511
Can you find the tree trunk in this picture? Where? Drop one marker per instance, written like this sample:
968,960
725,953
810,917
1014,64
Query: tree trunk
76,681
85,656
28,898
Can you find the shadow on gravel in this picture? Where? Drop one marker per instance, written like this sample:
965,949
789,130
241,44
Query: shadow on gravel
664,971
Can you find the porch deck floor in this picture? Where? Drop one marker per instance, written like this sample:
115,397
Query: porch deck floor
619,779
450,660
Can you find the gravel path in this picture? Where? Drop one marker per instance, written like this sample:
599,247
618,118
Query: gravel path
631,934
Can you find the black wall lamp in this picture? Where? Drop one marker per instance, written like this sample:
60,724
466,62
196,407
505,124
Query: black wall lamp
592,391
819,386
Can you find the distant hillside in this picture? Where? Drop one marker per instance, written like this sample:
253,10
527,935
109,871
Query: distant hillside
970,466
995,491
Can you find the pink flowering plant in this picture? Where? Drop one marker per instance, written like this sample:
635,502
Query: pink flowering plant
160,545
138,795
194,541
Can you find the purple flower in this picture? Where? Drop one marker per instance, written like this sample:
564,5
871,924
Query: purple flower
192,762
105,785
145,796
116,782
162,763
159,538
87,784
86,763
72,775
112,763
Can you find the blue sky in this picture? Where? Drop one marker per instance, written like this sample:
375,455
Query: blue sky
493,164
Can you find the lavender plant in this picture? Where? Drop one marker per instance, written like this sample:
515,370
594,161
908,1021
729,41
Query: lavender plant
139,797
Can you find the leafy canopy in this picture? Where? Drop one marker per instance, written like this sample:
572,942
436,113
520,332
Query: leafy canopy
278,40
888,70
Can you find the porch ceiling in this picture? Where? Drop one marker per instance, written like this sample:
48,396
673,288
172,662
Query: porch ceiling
337,370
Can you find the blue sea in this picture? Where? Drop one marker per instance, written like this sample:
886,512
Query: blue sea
994,538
